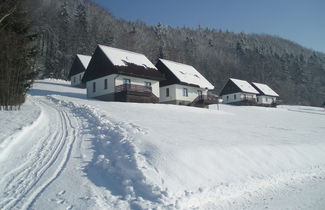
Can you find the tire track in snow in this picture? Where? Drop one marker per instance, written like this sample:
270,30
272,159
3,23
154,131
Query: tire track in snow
52,153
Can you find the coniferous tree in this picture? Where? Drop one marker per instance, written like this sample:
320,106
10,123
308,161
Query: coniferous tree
16,55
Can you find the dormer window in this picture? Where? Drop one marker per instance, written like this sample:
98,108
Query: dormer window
124,61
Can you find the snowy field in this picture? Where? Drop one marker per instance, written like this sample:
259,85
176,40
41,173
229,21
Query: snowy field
63,151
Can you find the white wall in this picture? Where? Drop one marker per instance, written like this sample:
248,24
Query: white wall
172,93
230,98
265,99
76,79
100,90
176,93
115,80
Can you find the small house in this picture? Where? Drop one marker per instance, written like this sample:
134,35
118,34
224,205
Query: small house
119,75
183,85
78,69
239,92
266,96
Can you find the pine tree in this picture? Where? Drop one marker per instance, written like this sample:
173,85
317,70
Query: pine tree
16,55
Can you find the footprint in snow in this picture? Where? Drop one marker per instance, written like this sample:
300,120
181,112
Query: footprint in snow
69,207
61,192
60,201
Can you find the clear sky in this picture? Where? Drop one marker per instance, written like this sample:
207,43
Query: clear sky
302,21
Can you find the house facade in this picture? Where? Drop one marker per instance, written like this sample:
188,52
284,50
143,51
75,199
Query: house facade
120,75
266,96
78,69
183,85
239,92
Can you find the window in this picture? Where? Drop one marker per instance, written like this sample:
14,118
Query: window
125,62
185,92
227,98
80,77
74,79
126,81
167,92
266,99
105,84
94,86
234,96
126,84
199,93
147,84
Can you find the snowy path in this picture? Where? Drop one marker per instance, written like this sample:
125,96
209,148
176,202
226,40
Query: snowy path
29,171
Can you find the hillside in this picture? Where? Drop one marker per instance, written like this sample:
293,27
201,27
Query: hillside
68,152
68,27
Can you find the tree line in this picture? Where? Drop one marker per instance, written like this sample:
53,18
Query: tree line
68,27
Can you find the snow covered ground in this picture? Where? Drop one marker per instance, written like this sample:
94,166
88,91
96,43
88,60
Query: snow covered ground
63,151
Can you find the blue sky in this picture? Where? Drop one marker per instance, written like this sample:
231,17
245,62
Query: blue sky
302,21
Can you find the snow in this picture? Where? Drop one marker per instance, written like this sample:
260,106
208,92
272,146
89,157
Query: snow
266,90
75,153
85,59
244,86
121,57
187,74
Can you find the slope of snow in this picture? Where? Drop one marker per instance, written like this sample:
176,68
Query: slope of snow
244,86
14,123
266,90
187,74
121,57
89,154
85,59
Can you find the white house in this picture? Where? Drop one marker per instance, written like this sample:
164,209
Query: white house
266,96
239,92
120,75
78,69
183,84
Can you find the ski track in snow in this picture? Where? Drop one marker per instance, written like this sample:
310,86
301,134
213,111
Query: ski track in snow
24,184
44,163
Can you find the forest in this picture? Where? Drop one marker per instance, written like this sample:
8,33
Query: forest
68,27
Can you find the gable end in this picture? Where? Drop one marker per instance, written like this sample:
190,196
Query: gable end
76,67
230,88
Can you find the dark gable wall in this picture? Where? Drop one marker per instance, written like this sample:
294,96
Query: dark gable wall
229,88
99,66
170,77
76,67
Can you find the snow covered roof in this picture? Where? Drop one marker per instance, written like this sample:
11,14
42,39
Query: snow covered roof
85,59
244,86
187,74
265,89
120,57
